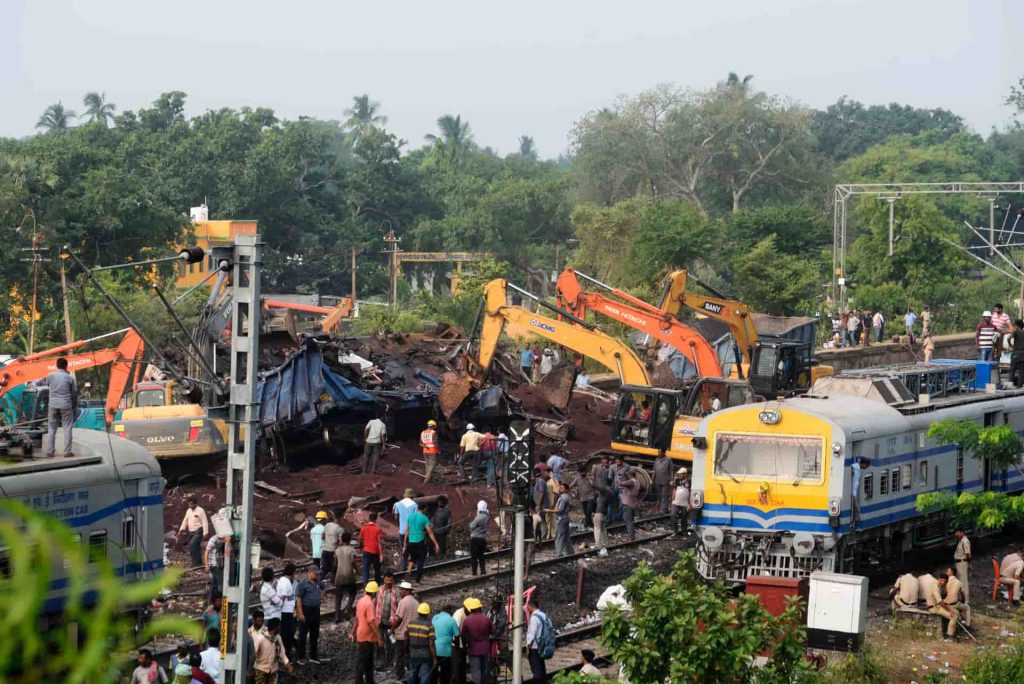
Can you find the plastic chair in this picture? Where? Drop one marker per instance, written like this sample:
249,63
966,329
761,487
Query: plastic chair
999,582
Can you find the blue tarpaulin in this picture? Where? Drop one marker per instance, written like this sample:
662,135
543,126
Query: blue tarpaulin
299,390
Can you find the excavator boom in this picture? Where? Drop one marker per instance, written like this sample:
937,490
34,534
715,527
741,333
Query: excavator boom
605,349
733,313
642,316
37,366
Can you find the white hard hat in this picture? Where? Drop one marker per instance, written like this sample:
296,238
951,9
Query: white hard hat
682,471
470,426
986,314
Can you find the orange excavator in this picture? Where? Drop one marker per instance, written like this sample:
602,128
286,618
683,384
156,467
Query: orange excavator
124,360
332,315
638,314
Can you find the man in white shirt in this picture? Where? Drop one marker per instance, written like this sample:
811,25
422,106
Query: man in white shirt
211,664
286,590
197,525
588,663
375,435
533,633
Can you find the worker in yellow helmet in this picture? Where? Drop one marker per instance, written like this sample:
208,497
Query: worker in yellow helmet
431,450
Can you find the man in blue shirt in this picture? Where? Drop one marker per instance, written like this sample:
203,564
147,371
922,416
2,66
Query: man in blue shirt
526,360
446,631
62,407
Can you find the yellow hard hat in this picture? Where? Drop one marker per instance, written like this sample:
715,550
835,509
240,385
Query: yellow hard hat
371,587
424,609
431,423
472,604
321,515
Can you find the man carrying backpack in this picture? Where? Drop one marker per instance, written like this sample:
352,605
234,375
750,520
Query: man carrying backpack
540,641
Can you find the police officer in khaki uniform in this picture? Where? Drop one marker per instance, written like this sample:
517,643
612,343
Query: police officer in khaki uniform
904,592
962,561
937,605
955,598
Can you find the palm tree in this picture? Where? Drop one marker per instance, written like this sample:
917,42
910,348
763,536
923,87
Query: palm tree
455,137
56,118
363,115
527,150
740,85
97,108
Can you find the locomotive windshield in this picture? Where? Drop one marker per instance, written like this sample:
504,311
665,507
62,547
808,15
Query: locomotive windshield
768,456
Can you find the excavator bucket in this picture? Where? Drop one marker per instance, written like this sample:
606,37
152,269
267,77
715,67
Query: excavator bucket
455,387
557,386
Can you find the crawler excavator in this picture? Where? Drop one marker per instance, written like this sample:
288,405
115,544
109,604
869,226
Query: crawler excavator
648,419
776,367
24,405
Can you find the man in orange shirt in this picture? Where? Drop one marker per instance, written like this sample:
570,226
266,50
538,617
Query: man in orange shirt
366,633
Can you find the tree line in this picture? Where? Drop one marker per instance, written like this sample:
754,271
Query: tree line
728,181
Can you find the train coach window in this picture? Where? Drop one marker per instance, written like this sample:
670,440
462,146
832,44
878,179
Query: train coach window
869,486
5,563
924,473
128,533
906,476
776,456
895,480
97,546
883,483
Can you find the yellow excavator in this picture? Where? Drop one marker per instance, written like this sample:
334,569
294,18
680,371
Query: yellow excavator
774,367
648,419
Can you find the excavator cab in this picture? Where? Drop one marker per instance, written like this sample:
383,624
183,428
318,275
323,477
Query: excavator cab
783,367
651,419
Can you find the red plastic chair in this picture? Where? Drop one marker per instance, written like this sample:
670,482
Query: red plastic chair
999,581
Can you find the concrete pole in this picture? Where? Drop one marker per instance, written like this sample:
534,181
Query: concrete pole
892,204
64,296
354,306
991,226
518,582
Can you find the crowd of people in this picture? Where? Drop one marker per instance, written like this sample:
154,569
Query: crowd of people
861,328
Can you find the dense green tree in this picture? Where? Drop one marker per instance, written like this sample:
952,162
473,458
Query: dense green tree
363,116
97,108
671,234
453,140
56,118
527,148
776,283
848,128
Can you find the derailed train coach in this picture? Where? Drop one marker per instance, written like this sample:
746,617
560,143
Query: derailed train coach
773,483
110,493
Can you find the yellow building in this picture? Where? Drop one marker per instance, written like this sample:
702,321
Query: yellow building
207,234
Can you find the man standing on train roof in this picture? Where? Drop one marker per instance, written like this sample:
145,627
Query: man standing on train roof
984,333
196,527
1000,320
962,561
430,445
62,408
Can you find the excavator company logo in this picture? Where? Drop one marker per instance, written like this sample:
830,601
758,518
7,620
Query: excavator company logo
160,439
713,308
625,315
543,326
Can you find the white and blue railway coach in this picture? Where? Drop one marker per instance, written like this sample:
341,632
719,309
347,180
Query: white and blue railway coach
773,483
110,493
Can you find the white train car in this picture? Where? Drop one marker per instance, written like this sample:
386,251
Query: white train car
772,487
110,493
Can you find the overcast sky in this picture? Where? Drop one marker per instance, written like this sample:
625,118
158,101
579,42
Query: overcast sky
509,68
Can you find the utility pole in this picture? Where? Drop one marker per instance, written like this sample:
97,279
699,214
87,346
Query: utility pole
246,259
520,451
392,242
37,258
991,226
64,296
355,307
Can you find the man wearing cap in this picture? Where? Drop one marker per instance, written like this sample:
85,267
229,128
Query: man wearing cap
406,613
469,447
366,633
308,598
422,654
316,537
375,435
446,632
681,501
431,448
476,633
984,333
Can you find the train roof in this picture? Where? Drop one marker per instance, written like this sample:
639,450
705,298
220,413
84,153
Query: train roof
98,455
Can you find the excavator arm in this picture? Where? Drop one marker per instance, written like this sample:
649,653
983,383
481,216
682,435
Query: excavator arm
638,314
733,313
605,349
332,316
37,366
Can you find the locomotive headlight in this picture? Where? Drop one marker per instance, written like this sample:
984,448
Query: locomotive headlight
697,499
833,512
837,448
